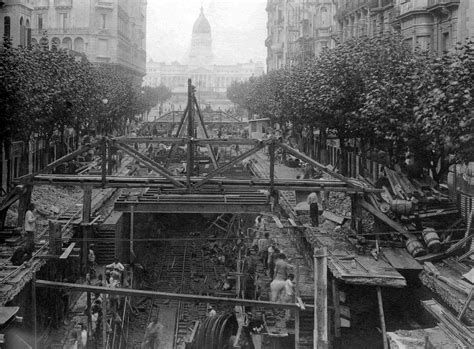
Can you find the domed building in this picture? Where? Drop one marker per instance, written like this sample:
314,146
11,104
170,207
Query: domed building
210,79
201,42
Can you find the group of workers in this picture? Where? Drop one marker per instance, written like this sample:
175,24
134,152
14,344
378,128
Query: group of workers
275,265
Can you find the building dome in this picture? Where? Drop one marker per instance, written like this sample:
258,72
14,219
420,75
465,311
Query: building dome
201,26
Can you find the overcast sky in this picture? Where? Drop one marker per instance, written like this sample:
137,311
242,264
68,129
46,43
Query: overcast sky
238,29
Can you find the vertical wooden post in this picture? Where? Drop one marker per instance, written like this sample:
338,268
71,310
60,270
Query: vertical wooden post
55,239
89,311
320,298
238,273
104,322
382,317
104,161
110,166
86,217
33,295
337,310
297,311
271,153
132,231
190,157
86,204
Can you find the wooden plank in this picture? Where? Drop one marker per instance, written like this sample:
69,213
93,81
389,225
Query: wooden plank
384,218
399,258
320,298
337,311
333,217
277,222
382,318
6,313
68,251
166,295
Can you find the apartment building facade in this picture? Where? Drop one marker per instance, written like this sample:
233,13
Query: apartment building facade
298,30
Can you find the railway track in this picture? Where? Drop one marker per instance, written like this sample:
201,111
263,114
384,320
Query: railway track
181,268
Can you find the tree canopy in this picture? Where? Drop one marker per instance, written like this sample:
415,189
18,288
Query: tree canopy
45,91
380,92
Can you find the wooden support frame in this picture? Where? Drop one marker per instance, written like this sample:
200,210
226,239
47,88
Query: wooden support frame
182,140
245,155
201,119
148,162
26,178
316,164
178,133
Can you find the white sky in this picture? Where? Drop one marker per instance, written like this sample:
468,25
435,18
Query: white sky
238,29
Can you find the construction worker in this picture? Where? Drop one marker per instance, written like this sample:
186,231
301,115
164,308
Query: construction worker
282,271
30,229
116,265
263,245
313,209
151,340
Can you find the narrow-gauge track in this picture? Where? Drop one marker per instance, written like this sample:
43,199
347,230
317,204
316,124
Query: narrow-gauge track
180,268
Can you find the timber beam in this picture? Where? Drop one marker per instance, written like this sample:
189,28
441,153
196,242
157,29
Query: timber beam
218,182
124,292
191,207
184,140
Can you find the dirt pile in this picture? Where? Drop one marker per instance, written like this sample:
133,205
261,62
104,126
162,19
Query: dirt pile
50,201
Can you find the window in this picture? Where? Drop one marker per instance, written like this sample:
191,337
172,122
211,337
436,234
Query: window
103,47
28,33
445,42
22,32
6,26
39,20
324,17
103,21
63,18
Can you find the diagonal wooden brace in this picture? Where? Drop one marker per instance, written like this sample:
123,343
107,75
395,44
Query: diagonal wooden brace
148,162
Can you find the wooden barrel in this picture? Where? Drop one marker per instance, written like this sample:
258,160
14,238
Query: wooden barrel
431,239
415,247
402,206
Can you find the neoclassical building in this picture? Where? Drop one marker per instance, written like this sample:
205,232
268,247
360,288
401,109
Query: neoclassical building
210,79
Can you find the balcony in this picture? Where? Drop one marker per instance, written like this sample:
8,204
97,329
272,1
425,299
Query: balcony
63,4
379,5
41,4
441,3
105,4
413,5
276,48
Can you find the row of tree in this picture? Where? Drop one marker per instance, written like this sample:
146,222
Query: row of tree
44,92
379,92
